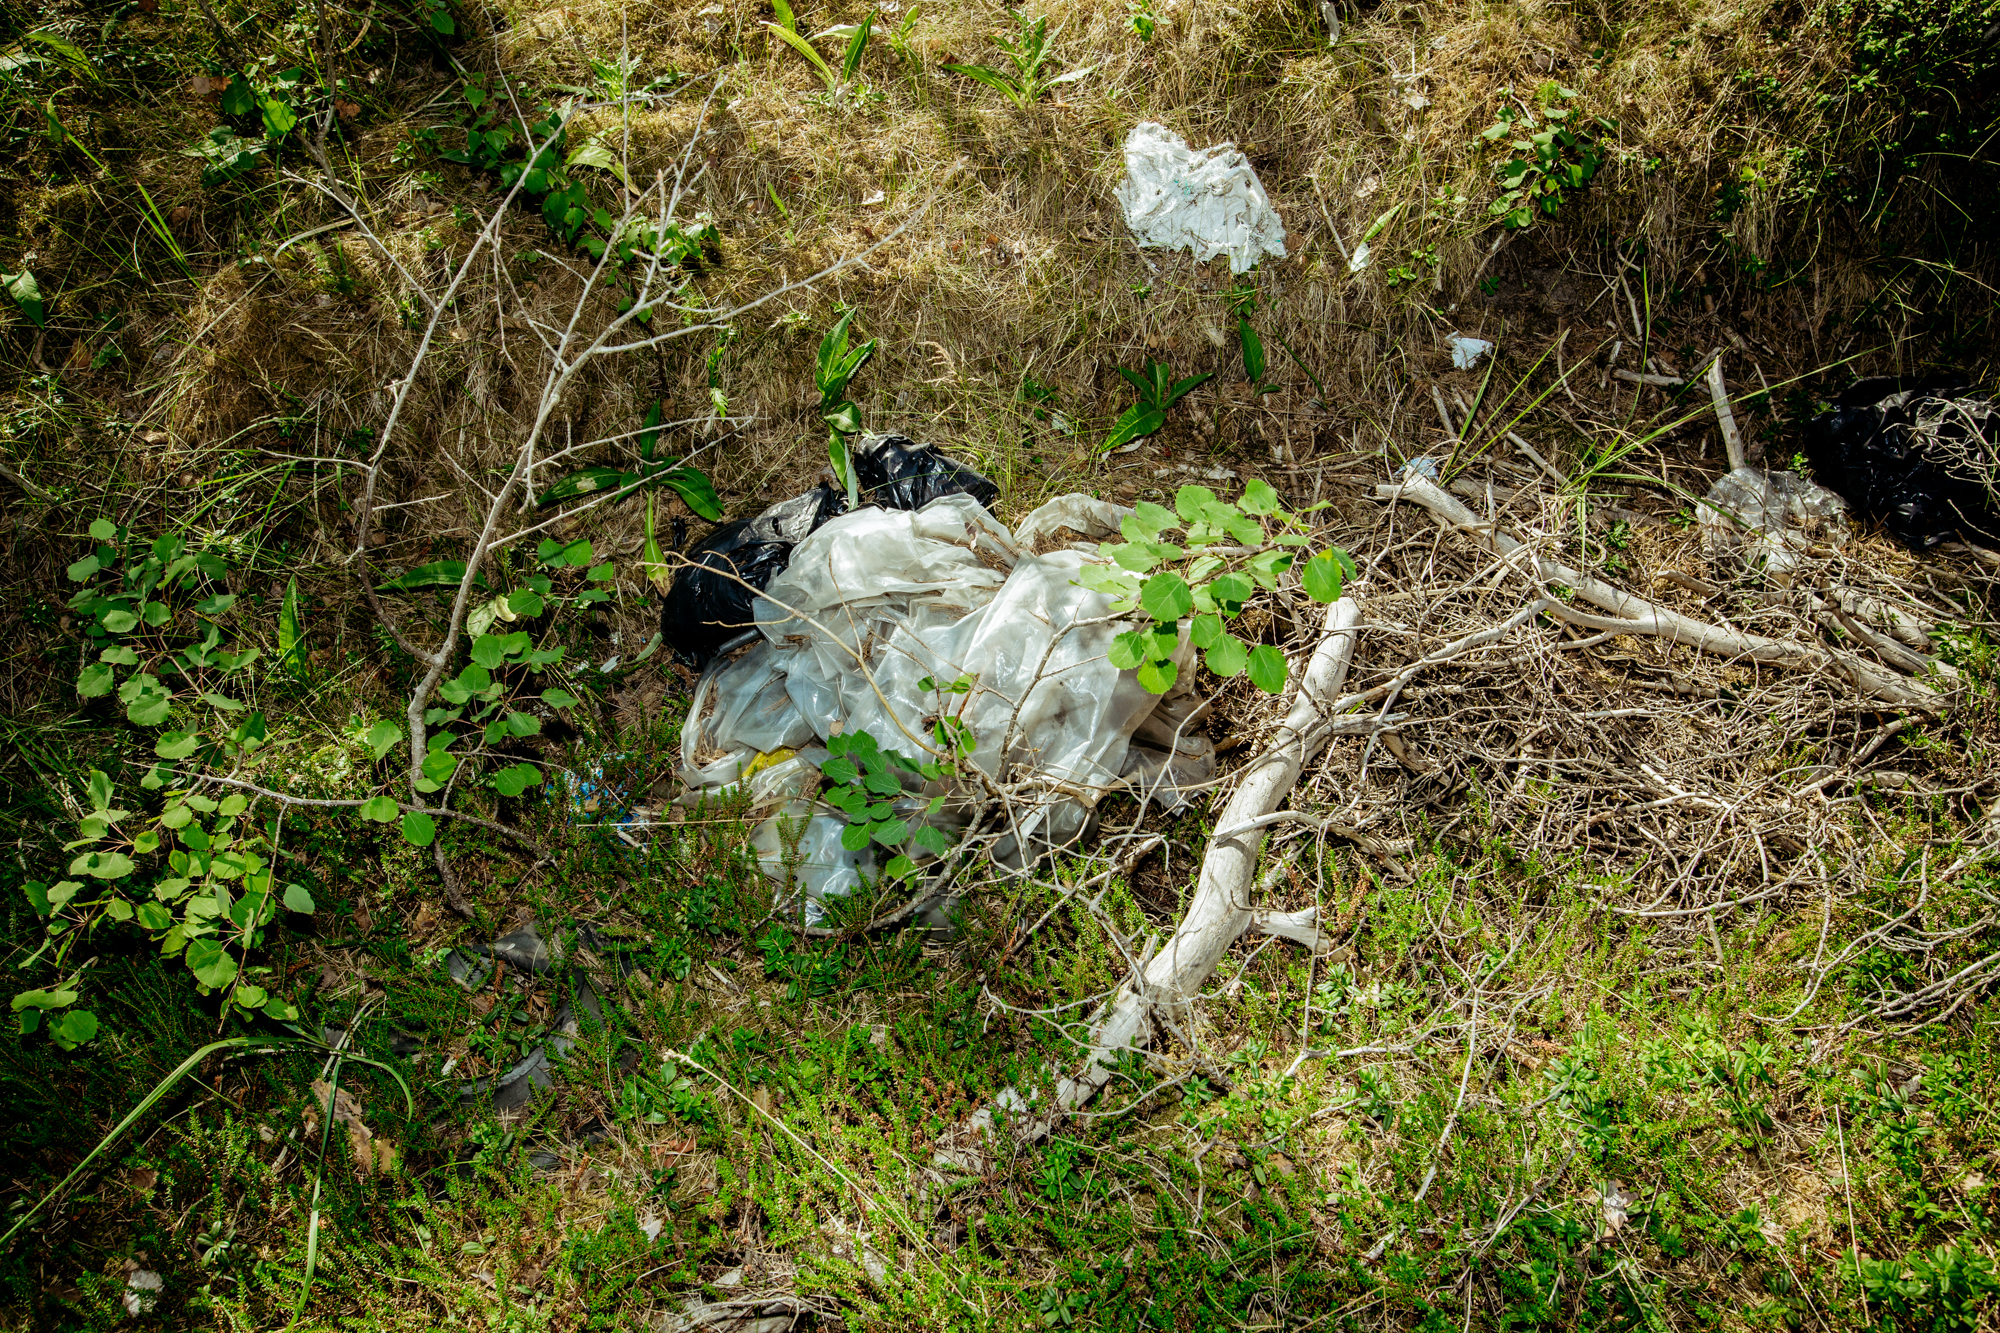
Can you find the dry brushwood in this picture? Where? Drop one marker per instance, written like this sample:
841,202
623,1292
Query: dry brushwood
556,357
1632,614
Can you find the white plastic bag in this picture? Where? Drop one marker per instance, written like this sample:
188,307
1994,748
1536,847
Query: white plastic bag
1208,201
1768,520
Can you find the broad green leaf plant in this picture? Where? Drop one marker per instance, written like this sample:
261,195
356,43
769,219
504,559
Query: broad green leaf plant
1158,391
195,873
835,370
1198,583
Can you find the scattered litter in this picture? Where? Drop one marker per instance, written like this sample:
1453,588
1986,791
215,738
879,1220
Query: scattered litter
898,473
1208,201
707,604
879,197
1923,458
142,1291
1359,259
1425,467
877,616
1769,520
1617,1206
528,958
1465,352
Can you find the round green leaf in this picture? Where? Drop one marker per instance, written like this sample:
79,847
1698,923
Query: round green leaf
1322,577
176,744
74,1028
1206,631
1258,497
523,724
298,900
83,569
1230,591
381,810
102,865
94,681
1166,597
1157,677
419,829
151,710
1267,669
118,621
1128,650
210,962
1227,657
102,529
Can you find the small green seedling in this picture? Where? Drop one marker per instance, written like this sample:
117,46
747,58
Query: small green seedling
1028,52
835,369
786,30
1158,391
1552,159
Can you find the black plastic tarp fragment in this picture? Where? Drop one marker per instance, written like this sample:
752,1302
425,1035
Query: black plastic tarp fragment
1917,455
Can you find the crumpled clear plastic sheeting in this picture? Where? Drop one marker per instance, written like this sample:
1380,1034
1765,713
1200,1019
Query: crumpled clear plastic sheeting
1069,518
1209,201
1042,693
885,575
806,840
741,709
1768,520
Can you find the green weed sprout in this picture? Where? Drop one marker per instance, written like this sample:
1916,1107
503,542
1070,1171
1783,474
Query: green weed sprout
1158,391
786,29
836,367
1028,52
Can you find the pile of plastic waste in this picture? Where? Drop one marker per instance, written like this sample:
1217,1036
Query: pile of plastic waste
1923,457
925,623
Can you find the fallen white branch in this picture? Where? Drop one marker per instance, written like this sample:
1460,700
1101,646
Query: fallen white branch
1636,615
1221,910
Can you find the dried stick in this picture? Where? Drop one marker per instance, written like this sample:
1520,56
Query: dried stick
1732,438
1636,615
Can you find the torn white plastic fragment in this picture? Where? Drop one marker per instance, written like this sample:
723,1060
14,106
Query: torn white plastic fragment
1208,201
1465,352
1359,260
142,1291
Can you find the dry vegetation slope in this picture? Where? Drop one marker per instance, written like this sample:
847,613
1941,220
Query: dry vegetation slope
1598,1131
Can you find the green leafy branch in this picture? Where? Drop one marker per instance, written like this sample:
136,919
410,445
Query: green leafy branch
1226,553
863,784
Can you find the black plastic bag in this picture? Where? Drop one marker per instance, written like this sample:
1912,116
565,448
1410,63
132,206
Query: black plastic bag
1915,454
898,473
707,607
